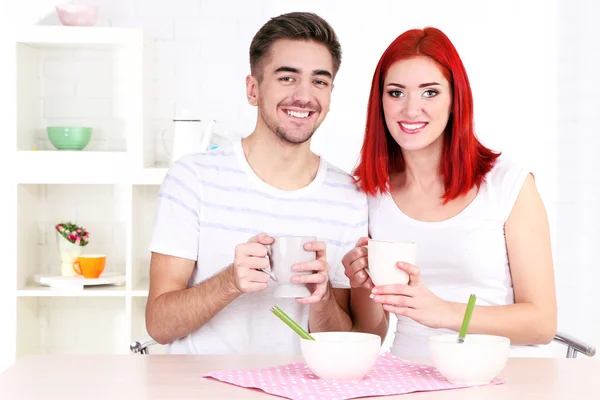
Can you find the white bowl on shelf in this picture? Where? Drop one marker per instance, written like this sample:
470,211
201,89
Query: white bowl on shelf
341,356
477,361
77,14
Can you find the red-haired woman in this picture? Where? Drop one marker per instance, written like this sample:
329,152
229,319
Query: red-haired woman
476,217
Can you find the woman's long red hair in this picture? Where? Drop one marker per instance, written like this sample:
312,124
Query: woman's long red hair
464,162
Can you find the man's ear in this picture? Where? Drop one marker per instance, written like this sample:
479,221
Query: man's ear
252,90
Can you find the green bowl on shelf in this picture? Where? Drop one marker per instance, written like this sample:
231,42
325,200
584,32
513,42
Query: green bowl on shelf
69,137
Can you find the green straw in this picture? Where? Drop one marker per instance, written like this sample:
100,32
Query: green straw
467,319
291,323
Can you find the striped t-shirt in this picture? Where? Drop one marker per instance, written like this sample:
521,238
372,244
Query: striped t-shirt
211,202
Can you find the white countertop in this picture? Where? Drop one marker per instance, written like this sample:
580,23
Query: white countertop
174,377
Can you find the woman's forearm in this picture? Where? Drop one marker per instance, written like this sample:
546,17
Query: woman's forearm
522,323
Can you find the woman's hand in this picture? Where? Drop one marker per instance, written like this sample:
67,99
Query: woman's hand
415,301
355,262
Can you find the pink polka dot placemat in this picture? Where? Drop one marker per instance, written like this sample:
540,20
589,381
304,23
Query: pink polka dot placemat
390,376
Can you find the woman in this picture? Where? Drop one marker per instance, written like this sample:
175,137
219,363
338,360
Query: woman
476,217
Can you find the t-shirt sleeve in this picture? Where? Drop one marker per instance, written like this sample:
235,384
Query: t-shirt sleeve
508,177
359,227
177,222
513,192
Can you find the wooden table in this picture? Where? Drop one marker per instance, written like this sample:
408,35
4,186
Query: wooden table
174,377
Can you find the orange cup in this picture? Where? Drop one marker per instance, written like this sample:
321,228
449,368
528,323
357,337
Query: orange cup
90,265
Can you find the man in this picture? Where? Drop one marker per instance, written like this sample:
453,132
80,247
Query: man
207,292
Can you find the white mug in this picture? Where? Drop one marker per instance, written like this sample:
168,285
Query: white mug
284,252
383,256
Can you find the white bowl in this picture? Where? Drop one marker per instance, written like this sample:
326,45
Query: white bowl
341,356
77,14
477,361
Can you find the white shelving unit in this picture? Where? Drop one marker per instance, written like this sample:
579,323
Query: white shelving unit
76,76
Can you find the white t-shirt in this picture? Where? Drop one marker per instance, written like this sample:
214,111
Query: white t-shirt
459,256
211,202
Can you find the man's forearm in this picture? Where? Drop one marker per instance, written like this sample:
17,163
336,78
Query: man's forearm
327,315
367,315
176,314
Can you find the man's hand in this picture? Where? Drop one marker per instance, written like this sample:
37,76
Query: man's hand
318,281
249,258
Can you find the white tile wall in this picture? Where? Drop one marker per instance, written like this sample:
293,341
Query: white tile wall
55,325
532,67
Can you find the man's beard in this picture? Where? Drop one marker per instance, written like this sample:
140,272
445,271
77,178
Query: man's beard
284,134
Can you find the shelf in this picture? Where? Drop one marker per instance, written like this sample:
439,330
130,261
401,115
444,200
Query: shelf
82,167
141,289
71,167
53,36
35,290
75,87
149,176
101,209
85,76
99,77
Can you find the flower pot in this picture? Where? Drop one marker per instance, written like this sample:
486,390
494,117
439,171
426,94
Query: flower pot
68,253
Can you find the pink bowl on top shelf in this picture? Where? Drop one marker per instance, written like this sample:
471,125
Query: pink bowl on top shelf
77,14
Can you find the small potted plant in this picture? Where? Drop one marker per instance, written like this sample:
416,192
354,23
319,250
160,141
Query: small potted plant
71,239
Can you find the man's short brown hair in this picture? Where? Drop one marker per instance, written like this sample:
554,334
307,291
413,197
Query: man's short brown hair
293,26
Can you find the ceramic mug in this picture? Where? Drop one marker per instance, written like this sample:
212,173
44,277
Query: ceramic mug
383,256
283,253
90,265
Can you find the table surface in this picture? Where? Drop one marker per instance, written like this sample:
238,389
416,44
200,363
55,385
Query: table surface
177,377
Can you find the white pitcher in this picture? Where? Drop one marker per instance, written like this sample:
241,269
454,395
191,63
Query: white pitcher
189,138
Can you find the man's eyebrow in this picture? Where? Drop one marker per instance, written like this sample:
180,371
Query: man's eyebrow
287,69
319,72
323,72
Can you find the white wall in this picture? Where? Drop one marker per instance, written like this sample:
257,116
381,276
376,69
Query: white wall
534,87
577,179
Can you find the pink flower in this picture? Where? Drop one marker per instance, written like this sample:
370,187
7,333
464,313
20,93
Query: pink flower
60,228
71,237
78,230
78,241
